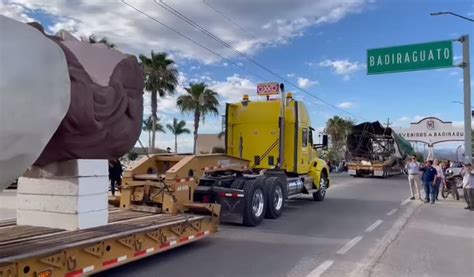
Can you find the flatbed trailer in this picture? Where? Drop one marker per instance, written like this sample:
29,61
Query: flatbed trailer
129,236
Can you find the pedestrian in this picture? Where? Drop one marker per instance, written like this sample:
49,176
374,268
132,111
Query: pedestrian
468,186
428,178
115,174
413,169
439,177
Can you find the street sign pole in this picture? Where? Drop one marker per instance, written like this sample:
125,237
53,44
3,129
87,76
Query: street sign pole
466,65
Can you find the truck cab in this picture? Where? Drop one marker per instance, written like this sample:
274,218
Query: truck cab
253,133
275,137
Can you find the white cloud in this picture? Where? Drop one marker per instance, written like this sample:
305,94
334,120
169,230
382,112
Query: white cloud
15,11
306,83
404,119
135,33
344,68
233,88
346,105
290,75
453,73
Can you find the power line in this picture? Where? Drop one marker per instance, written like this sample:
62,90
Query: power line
203,30
228,19
192,40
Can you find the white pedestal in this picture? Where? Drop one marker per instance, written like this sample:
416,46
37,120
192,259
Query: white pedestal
68,195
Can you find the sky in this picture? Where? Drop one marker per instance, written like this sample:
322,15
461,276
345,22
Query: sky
318,46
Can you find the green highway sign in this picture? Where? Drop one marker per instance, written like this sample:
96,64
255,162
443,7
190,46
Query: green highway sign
410,57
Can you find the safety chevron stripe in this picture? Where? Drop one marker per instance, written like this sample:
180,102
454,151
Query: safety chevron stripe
80,272
161,247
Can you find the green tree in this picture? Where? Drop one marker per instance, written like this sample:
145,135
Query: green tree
161,78
338,128
200,101
147,125
177,128
104,40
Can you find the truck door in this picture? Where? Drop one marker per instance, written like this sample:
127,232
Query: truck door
305,150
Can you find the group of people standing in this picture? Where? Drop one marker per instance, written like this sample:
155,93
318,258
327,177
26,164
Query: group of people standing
431,175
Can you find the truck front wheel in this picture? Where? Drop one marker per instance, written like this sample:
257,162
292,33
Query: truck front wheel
254,204
323,185
275,199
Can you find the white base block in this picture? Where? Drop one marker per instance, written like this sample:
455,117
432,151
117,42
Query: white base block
65,204
65,221
68,195
64,186
71,168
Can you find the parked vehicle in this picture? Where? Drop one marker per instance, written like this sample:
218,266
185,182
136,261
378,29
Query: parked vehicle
452,185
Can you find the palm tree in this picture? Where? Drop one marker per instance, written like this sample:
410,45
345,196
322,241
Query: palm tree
338,128
161,78
177,128
147,125
93,39
200,101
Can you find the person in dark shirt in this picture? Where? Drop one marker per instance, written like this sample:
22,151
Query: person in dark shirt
115,174
428,178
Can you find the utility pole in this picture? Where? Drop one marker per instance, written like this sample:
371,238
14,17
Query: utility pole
466,66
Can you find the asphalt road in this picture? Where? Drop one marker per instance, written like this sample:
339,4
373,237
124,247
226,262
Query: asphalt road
337,237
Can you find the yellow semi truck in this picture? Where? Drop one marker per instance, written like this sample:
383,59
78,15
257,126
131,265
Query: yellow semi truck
275,136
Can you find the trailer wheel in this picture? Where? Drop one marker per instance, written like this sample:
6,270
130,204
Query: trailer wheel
254,204
323,185
275,197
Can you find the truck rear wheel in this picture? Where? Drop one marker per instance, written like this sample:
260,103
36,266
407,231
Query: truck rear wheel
275,197
238,183
254,204
323,185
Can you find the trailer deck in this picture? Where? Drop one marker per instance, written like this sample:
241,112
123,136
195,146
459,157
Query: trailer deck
130,235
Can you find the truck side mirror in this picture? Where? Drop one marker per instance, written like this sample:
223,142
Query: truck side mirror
325,141
323,145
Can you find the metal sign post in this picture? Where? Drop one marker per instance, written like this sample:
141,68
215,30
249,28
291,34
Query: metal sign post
466,66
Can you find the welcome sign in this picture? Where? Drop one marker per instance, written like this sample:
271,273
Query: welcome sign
432,130
410,57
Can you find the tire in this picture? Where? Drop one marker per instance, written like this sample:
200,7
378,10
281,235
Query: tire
254,203
321,193
275,194
238,183
445,192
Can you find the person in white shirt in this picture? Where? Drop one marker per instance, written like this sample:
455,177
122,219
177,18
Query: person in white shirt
413,169
468,186
439,177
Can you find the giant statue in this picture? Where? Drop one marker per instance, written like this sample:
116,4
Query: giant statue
62,98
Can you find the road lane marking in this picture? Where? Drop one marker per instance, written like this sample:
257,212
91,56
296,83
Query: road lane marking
318,271
405,202
392,212
349,245
373,226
